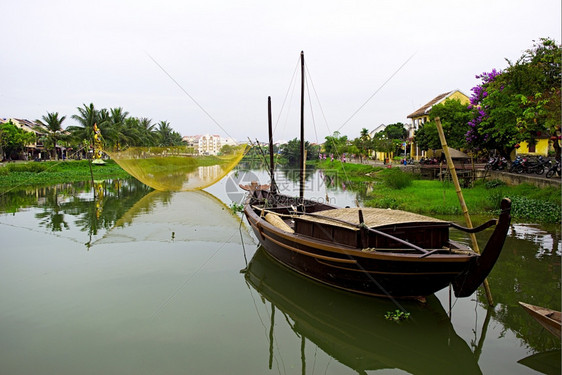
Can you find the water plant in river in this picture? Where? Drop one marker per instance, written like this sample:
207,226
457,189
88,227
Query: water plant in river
236,207
397,315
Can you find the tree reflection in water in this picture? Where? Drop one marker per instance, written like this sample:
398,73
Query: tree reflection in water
64,207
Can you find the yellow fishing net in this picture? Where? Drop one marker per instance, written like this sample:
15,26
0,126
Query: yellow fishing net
175,168
163,216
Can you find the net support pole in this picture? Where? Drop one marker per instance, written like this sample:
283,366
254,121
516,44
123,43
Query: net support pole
455,179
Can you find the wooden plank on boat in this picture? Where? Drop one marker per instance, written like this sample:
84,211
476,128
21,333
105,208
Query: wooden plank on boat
549,319
373,217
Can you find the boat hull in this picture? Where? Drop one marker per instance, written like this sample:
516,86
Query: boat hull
395,275
548,318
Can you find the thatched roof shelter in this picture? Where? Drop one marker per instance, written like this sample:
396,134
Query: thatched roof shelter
456,154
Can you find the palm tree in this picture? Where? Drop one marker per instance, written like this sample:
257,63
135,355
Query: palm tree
104,121
364,143
117,128
148,135
87,117
165,133
132,131
51,124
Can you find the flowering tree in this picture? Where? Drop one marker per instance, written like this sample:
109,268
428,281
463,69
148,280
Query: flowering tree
518,104
494,115
540,71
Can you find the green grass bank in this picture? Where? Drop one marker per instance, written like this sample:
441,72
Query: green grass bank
392,188
53,172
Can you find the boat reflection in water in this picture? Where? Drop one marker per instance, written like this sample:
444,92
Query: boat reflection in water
352,328
544,363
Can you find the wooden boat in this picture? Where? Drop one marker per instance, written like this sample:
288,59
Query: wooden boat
369,251
352,329
549,319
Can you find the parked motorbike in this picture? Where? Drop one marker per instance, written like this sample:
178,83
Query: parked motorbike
515,164
542,165
496,163
554,169
529,166
429,161
524,166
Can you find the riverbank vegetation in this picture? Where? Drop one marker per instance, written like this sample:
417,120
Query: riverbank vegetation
392,188
431,197
51,172
118,131
516,104
388,188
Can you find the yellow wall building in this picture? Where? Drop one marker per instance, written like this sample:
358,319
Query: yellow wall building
421,116
541,148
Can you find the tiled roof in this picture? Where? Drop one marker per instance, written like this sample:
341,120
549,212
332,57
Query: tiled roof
425,109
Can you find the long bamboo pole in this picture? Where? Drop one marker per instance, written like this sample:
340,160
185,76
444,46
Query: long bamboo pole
455,178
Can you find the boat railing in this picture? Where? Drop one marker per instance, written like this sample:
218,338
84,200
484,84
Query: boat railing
479,228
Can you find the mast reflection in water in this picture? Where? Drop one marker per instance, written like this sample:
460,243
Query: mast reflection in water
352,328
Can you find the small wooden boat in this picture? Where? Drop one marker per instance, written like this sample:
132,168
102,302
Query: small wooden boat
366,250
549,319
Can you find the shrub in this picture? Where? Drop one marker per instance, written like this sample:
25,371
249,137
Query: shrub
394,178
494,199
386,202
494,184
26,167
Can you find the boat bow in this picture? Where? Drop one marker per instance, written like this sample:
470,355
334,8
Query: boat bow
469,281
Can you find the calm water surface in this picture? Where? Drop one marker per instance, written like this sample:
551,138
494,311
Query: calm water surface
122,279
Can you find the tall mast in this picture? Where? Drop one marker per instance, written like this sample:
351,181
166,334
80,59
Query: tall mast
271,165
302,161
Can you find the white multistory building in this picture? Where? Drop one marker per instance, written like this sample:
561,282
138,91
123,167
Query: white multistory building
208,144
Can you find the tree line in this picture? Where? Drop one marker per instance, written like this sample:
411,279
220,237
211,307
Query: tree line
509,106
388,140
118,130
520,103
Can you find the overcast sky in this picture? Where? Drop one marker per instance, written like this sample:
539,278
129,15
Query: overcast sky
150,57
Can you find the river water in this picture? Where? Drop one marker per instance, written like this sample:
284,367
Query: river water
123,279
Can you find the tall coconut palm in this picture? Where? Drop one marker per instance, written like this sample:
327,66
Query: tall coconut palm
87,117
148,135
164,132
104,121
117,129
51,127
